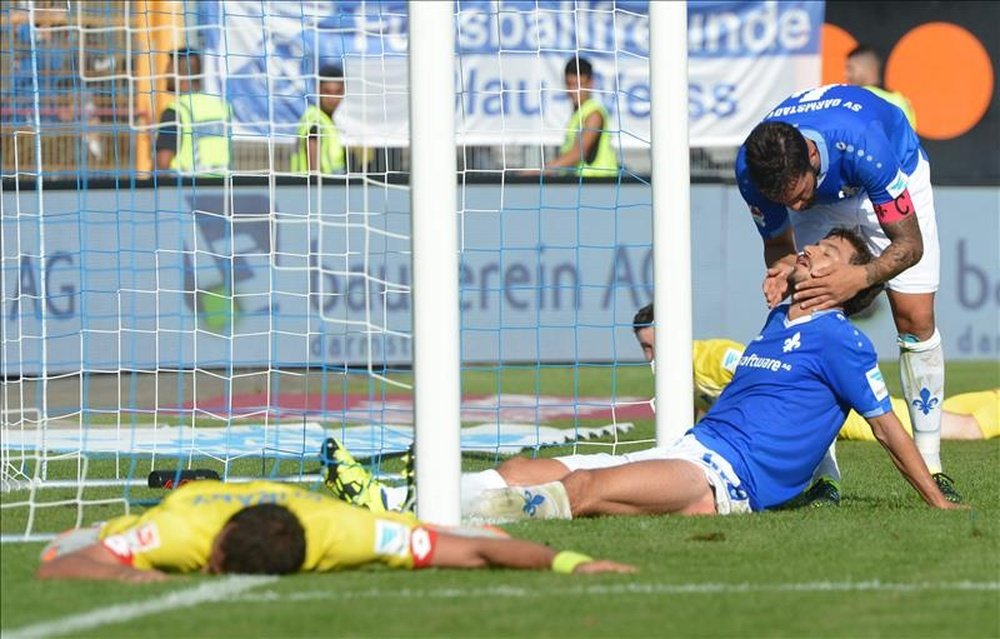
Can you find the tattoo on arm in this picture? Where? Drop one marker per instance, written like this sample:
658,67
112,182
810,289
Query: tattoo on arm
905,249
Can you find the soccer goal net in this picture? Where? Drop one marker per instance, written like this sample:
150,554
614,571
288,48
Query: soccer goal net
229,305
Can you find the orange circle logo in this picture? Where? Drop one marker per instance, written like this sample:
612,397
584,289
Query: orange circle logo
946,73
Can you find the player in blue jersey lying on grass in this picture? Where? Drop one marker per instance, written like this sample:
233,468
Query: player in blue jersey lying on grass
759,444
271,528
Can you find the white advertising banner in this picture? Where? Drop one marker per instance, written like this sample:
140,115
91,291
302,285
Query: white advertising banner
743,58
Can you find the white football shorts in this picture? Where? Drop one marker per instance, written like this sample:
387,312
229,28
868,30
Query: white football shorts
730,498
858,213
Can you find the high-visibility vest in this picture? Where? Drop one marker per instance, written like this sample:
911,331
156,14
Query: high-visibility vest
897,99
605,161
331,151
203,140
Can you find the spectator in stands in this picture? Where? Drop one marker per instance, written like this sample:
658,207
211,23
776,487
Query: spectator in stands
587,146
193,136
318,146
864,69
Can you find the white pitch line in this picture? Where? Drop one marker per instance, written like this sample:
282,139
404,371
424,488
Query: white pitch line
214,590
271,596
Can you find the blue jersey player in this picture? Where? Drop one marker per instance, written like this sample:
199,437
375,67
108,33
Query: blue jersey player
840,156
758,445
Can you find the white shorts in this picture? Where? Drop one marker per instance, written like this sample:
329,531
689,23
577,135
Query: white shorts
730,499
858,213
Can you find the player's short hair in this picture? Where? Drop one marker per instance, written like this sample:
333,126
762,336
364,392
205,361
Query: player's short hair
643,318
187,61
265,539
862,256
331,73
864,49
579,66
776,155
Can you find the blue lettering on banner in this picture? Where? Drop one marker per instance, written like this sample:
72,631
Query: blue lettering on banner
271,81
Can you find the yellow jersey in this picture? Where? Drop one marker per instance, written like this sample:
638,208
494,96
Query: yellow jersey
176,535
715,361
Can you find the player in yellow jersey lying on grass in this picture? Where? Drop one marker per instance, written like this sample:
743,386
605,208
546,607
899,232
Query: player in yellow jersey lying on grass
270,528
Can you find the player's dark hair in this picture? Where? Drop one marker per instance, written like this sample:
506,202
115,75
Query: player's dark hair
862,256
265,539
777,156
331,73
188,60
580,67
643,318
864,49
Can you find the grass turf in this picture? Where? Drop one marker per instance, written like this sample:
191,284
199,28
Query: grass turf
880,564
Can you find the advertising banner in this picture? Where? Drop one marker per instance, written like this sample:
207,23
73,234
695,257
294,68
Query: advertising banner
179,278
743,58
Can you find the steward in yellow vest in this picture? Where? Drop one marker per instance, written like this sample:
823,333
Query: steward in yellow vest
193,137
587,145
863,68
318,146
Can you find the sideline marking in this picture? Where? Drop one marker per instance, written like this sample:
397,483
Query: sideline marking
205,593
270,596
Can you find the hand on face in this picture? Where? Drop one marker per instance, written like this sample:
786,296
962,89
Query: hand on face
776,283
823,276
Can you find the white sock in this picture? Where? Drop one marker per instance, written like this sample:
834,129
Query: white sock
473,485
542,501
395,496
921,371
827,466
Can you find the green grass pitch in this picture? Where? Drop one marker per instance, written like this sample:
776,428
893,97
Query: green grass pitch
882,564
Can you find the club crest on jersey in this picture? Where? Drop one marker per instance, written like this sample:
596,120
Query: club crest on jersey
792,343
849,191
758,216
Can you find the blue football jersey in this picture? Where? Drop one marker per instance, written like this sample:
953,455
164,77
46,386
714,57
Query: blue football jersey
791,393
865,145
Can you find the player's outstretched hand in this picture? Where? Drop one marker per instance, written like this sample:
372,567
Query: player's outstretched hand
142,576
603,565
776,284
830,286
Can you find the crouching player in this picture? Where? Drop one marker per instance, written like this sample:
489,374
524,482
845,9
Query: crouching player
270,528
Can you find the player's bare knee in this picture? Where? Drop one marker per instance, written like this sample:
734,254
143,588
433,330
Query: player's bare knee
917,322
580,486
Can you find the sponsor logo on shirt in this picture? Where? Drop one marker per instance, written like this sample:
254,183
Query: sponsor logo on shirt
391,538
758,216
768,363
731,359
897,186
127,544
877,383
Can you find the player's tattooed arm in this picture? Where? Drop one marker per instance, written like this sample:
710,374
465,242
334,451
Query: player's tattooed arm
905,250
